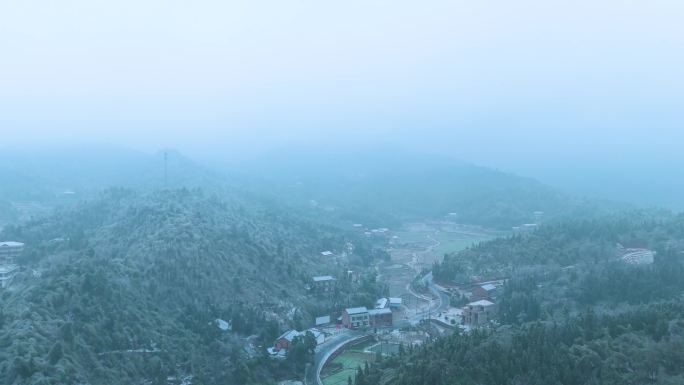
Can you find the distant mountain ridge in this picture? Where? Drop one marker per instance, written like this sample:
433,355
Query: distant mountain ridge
374,186
43,173
415,187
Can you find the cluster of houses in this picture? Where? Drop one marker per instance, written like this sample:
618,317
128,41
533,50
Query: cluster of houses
352,318
8,252
362,317
528,228
482,309
478,313
524,229
377,232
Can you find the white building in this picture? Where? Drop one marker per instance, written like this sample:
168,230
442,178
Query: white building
395,302
10,250
355,317
478,313
381,303
318,335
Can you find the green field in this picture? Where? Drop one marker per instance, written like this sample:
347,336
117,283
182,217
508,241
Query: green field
350,361
384,348
413,236
449,241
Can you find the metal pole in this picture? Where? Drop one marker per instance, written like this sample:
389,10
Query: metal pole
166,169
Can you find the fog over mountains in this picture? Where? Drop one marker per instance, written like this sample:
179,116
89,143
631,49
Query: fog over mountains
382,181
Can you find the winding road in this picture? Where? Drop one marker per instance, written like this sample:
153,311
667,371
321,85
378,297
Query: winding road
329,347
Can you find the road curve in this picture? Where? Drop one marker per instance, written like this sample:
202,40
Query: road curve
324,351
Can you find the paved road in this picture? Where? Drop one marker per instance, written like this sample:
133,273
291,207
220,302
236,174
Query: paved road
325,350
438,292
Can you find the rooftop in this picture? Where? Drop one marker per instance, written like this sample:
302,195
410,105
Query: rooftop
381,303
482,302
11,244
290,335
322,320
395,301
4,269
379,311
322,278
223,325
356,310
488,286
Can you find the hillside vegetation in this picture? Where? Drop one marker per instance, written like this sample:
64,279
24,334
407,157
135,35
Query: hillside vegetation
125,290
571,312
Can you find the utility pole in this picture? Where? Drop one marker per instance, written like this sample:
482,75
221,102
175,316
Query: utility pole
166,169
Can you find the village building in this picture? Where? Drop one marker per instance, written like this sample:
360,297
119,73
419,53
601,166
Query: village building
318,335
323,283
353,276
355,317
380,317
323,320
483,291
478,313
395,302
525,229
9,251
327,253
285,340
359,317
382,303
223,325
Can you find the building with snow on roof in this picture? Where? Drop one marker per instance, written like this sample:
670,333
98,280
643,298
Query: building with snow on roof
9,250
355,317
486,290
323,283
478,313
395,302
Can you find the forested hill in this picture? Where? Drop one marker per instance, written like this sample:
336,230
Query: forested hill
41,174
572,310
124,289
38,180
637,346
584,241
415,187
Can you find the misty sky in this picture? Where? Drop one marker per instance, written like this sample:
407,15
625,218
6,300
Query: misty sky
526,86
